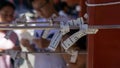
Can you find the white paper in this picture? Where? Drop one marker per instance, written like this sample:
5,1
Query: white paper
45,34
64,28
72,39
55,41
74,56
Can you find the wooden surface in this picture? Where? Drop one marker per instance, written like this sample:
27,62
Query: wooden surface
104,47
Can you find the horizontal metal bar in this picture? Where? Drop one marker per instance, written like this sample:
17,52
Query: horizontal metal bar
58,27
102,4
47,52
27,27
22,23
33,27
104,26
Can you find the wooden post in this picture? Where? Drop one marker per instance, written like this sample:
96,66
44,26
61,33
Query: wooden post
104,47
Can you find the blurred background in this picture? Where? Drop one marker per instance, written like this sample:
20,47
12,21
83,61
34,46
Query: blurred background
71,8
66,7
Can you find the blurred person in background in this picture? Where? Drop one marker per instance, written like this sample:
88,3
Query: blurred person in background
7,10
45,10
63,7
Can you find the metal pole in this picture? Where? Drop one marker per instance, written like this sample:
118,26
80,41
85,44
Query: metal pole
33,27
58,27
46,52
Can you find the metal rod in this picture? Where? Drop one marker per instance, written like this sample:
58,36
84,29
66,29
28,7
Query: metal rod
58,27
47,52
104,26
33,27
20,23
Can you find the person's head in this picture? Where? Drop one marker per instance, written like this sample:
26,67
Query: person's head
6,11
44,8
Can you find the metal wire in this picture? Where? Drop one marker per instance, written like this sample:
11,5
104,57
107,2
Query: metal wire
104,26
102,4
